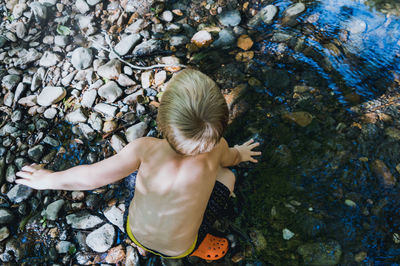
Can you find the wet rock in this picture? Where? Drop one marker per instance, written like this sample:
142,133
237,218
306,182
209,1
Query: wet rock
132,256
39,11
19,193
35,153
83,220
63,247
126,44
111,70
109,126
132,98
258,240
116,255
226,39
147,48
102,239
52,210
50,95
321,253
136,131
6,216
117,143
61,40
244,42
230,18
9,82
303,119
20,30
82,58
360,256
160,77
294,10
30,56
173,63
4,232
281,37
137,26
282,155
266,15
393,133
202,39
49,59
87,131
110,91
287,234
93,2
115,215
356,26
178,40
383,173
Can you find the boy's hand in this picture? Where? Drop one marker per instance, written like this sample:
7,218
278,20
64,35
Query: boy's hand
33,176
245,151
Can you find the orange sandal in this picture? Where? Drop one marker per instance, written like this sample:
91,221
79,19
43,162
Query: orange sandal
211,248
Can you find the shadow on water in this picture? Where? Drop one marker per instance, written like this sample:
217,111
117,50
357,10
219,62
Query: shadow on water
327,180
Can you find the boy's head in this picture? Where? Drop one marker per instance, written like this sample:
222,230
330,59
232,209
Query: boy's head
193,113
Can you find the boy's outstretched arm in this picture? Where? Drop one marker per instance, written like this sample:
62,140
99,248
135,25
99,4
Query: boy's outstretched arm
86,177
239,153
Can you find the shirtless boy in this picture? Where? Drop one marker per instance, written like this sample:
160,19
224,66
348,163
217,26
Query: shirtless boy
176,175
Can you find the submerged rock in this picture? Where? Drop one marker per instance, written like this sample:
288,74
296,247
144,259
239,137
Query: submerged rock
383,173
321,253
303,119
19,193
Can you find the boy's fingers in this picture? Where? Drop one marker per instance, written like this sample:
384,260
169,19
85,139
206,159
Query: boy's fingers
249,142
255,153
28,168
26,175
254,145
253,160
21,181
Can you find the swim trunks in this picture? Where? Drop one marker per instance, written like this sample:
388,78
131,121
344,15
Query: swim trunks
216,207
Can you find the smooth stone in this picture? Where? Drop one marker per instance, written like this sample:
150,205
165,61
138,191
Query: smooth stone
106,109
50,95
39,10
49,59
6,216
287,234
294,10
136,26
303,119
136,131
127,43
19,193
76,117
117,143
93,2
82,58
115,255
20,30
111,70
146,79
4,233
132,256
51,141
383,173
87,131
148,47
115,216
61,40
230,18
167,16
356,26
82,6
266,15
95,121
83,220
102,239
53,209
125,81
32,55
19,10
88,98
160,77
226,38
110,91
10,173
178,40
36,152
9,82
63,247
48,2
50,113
202,39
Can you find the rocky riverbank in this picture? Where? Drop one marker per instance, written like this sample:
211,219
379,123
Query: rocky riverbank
80,79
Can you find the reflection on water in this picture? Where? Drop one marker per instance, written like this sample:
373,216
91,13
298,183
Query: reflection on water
329,180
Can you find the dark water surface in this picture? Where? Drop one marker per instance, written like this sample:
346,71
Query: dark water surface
324,181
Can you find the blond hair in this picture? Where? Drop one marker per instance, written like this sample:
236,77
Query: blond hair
193,113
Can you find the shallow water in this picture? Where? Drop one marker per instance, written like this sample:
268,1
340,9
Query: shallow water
348,52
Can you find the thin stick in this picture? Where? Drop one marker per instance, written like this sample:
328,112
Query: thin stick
124,61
